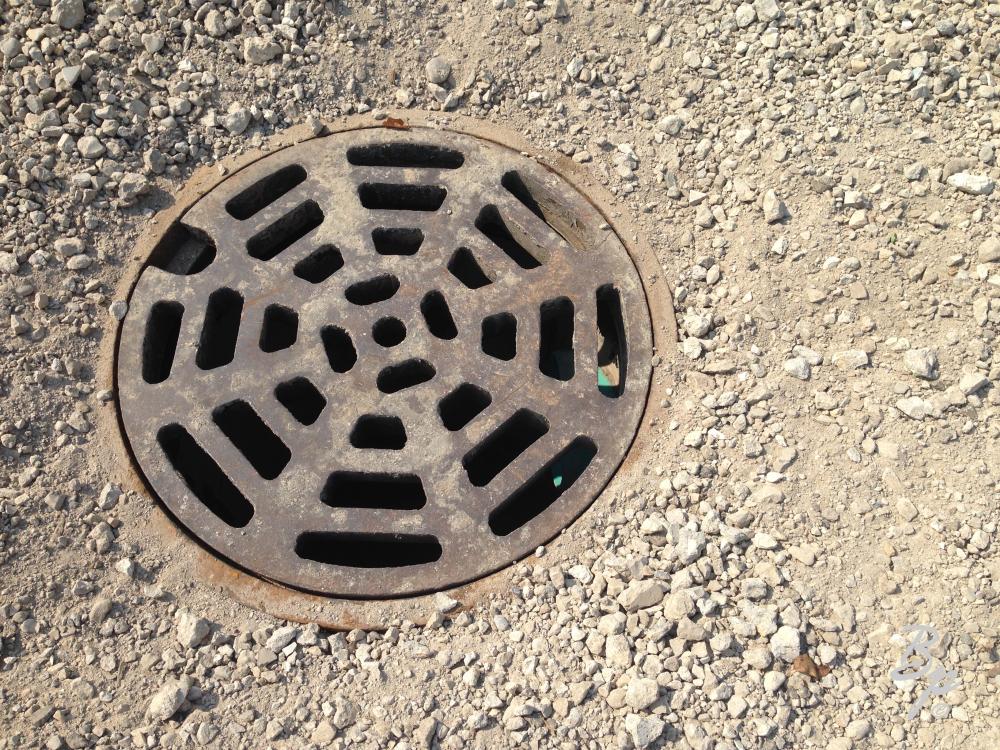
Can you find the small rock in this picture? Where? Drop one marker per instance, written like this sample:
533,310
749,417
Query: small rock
850,359
915,407
438,69
67,13
191,630
922,362
786,643
282,637
90,147
989,250
774,208
257,50
641,693
972,382
215,25
167,700
644,730
641,594
797,367
972,184
236,120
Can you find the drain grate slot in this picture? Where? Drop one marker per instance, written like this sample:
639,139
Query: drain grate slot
286,231
371,291
367,550
280,328
217,344
491,224
544,488
252,437
514,185
555,350
358,489
159,345
612,348
378,432
436,314
499,336
397,240
404,375
405,156
203,477
302,399
464,267
462,405
340,351
388,332
387,196
183,251
265,191
319,265
502,446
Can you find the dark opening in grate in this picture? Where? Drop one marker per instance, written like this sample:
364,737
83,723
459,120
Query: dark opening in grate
356,489
285,232
301,398
340,351
252,437
280,328
499,449
183,251
405,155
555,351
367,550
265,191
383,196
397,240
207,482
436,314
463,405
499,336
220,329
404,375
388,332
464,267
544,488
379,432
490,223
160,342
371,291
319,265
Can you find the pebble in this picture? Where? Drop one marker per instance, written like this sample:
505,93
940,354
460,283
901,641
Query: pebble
257,50
438,69
168,700
972,184
644,730
68,14
774,208
797,367
786,643
191,629
90,147
922,362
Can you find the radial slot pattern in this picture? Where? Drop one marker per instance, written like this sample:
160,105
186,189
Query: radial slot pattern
383,363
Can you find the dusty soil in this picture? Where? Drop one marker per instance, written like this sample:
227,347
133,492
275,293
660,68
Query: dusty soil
816,182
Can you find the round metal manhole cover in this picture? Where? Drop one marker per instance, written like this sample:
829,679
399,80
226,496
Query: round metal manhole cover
382,363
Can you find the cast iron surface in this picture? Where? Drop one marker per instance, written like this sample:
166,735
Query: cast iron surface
375,489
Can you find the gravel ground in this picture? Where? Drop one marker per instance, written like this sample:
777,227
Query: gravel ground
818,182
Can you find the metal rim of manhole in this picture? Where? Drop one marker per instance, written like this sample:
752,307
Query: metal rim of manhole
384,361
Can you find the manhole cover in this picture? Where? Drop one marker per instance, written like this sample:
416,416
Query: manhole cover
382,363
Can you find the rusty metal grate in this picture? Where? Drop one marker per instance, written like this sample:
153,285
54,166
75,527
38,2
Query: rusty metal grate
383,362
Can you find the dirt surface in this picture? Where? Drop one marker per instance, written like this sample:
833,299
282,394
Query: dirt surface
820,465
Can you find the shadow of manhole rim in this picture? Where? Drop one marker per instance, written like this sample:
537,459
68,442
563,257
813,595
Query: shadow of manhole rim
280,436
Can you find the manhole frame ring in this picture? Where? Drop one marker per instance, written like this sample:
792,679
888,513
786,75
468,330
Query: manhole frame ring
342,613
